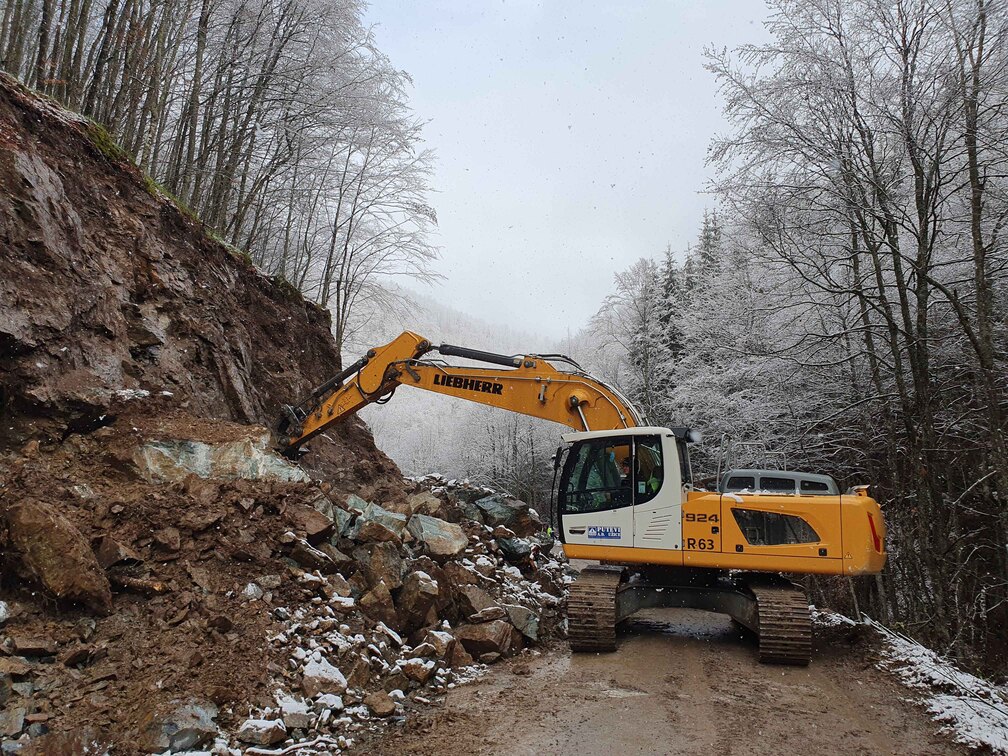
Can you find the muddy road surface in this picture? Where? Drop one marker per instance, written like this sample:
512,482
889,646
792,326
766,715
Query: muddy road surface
681,682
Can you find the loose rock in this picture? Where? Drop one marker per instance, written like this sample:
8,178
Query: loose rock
262,732
319,676
439,538
55,553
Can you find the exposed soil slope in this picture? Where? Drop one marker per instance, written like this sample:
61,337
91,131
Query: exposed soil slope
105,285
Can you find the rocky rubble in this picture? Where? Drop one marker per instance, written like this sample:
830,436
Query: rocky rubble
415,617
230,612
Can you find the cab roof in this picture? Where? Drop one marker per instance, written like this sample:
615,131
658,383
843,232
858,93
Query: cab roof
646,430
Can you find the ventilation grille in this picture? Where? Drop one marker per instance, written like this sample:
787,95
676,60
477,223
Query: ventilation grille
656,528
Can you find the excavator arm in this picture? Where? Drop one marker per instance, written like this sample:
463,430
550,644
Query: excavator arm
528,384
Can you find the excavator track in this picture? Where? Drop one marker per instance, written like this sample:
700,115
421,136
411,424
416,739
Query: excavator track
591,609
785,624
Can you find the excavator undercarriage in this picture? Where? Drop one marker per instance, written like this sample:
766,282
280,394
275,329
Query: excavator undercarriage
773,608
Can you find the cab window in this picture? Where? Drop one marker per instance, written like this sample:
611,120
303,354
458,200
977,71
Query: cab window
772,484
595,476
649,472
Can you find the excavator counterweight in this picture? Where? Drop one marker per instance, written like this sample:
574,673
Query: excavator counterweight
626,498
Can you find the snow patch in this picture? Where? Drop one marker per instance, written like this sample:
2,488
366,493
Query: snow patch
973,710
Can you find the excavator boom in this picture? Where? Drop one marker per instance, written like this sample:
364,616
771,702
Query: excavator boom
528,384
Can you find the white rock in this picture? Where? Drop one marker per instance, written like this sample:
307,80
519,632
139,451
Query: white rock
252,592
296,714
262,731
4,612
329,701
322,677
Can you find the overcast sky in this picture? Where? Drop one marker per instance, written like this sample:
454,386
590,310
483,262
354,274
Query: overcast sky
570,140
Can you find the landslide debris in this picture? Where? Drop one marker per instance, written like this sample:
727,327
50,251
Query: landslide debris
233,596
167,582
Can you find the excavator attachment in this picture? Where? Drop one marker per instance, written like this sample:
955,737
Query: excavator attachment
530,384
774,609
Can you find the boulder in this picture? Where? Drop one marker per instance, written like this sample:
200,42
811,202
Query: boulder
340,560
457,575
444,601
380,563
342,522
181,726
494,637
323,504
458,656
297,715
490,613
33,645
262,732
55,553
515,550
378,605
439,538
513,514
316,525
366,531
356,504
372,513
12,720
311,558
471,512
418,595
360,674
423,651
425,503
168,538
524,620
472,599
380,704
319,676
440,641
328,701
418,670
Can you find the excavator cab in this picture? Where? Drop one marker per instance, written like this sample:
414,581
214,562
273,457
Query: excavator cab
623,488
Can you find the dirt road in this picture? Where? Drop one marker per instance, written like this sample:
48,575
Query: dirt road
681,682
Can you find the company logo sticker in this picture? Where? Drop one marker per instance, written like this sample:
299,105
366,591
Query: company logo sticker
604,531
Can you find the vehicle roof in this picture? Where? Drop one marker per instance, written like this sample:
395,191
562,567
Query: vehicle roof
646,430
792,474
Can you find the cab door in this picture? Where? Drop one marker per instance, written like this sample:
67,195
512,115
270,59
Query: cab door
595,499
658,493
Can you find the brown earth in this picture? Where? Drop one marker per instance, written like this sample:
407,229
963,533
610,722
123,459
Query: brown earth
681,682
105,285
182,628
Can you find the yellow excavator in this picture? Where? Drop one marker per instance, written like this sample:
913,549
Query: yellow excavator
626,499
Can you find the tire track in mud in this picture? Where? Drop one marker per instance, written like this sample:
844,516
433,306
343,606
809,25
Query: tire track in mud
681,682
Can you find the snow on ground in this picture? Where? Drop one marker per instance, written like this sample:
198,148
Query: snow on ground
973,711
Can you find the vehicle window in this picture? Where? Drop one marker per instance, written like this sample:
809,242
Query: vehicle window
814,486
772,528
777,485
592,479
685,470
741,483
649,472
